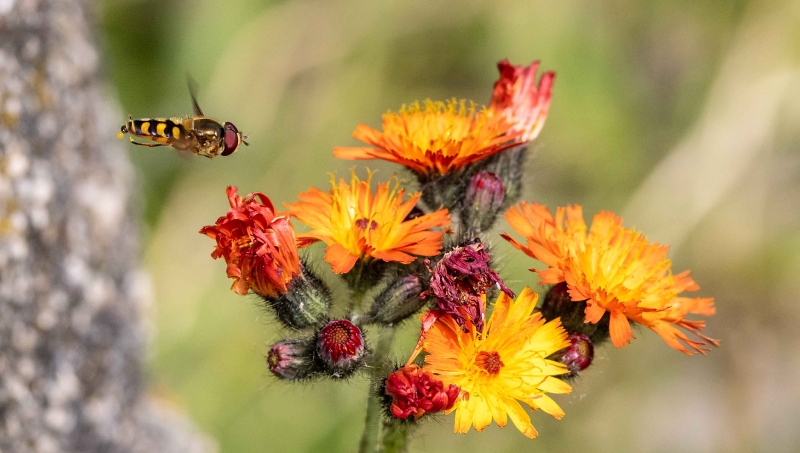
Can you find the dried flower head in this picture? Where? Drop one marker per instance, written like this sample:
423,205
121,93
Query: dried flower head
519,101
433,138
500,368
417,392
357,223
258,246
459,281
613,269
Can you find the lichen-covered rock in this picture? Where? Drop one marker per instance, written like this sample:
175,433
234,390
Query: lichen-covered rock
71,294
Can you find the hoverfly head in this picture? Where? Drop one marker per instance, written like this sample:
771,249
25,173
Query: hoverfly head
232,139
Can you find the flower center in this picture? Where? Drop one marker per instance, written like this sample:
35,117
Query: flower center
364,222
489,361
338,334
583,349
273,358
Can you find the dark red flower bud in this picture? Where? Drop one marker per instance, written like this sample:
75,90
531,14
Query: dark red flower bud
578,355
485,196
340,344
291,358
460,278
416,392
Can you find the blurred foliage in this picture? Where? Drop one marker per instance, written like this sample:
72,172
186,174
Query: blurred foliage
636,81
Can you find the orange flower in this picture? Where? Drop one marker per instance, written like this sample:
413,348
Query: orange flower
435,138
357,223
519,101
259,247
501,367
613,269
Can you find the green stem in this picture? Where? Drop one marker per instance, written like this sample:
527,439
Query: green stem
395,437
379,364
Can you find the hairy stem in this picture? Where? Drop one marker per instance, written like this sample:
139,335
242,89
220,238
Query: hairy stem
379,365
395,437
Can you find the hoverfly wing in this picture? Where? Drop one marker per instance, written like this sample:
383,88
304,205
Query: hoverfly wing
193,93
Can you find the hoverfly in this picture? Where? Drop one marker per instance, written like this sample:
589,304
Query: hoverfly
199,134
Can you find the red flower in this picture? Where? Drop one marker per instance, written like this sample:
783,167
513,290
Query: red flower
460,280
520,101
340,344
258,246
417,392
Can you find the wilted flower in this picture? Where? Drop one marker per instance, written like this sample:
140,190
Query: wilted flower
417,392
357,223
340,345
613,269
501,367
460,279
520,101
258,246
434,138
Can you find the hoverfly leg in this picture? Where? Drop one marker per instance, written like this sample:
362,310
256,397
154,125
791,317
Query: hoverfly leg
149,145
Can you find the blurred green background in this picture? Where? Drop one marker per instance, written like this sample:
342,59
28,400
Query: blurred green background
680,115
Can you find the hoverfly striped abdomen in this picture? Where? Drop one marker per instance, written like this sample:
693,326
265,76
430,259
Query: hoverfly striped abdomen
157,129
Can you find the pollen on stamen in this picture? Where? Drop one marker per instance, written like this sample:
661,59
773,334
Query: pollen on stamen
489,361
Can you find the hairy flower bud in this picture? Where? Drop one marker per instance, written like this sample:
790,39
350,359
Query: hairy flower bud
484,200
340,345
305,304
398,301
508,166
414,391
578,355
291,358
559,304
459,281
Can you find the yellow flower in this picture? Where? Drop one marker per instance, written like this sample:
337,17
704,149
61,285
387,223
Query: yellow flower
501,368
436,138
613,269
357,223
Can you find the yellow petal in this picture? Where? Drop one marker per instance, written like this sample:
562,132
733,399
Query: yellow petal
554,385
520,418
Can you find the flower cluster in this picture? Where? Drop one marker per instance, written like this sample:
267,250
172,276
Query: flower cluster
400,251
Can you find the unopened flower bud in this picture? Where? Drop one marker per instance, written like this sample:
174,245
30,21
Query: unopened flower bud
305,304
414,391
578,355
398,301
484,200
292,358
508,166
559,304
340,345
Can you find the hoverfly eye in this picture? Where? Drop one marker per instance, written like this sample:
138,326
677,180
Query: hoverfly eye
231,139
